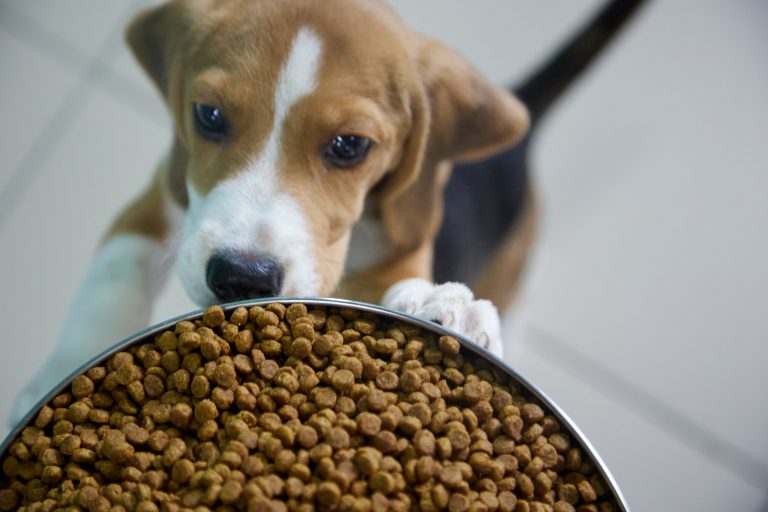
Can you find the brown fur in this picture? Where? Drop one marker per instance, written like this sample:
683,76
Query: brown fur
421,103
499,281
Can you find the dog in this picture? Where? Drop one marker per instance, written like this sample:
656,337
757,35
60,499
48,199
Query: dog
312,156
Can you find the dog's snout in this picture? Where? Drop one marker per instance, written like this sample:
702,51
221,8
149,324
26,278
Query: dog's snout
236,277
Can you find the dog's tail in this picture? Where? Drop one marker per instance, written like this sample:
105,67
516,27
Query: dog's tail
490,210
540,90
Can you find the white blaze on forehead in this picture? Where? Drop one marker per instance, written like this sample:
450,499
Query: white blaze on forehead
250,212
299,74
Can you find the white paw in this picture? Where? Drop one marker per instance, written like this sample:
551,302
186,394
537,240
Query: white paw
453,306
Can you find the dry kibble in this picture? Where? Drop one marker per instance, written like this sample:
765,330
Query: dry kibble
382,482
458,438
387,380
367,461
586,491
210,348
377,400
532,413
368,424
507,501
424,442
82,386
385,346
206,410
458,503
343,380
300,348
563,506
451,477
338,438
449,345
293,408
385,441
225,375
307,436
8,499
410,381
213,316
328,493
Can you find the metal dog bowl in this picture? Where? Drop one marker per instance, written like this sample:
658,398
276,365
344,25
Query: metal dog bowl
468,347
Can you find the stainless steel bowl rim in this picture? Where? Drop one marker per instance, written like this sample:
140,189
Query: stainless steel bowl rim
149,332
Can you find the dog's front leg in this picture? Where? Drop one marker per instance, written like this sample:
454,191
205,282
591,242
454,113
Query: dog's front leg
452,305
115,298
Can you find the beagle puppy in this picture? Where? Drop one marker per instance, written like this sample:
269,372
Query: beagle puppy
313,142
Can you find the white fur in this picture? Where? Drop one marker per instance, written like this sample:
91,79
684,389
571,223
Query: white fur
369,243
453,306
251,212
113,302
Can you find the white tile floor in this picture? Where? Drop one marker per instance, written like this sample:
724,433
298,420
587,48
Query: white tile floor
647,316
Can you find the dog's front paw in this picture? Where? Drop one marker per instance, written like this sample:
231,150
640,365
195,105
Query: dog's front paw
453,306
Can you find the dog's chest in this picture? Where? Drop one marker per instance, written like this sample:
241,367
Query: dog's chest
368,243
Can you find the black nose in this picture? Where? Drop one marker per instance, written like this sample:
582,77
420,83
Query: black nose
236,277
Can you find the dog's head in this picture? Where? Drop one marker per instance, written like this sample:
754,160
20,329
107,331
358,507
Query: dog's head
288,114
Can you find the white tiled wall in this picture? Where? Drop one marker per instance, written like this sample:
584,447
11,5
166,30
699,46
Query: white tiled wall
646,315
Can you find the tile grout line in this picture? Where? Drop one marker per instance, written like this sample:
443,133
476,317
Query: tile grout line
32,162
28,32
650,409
42,40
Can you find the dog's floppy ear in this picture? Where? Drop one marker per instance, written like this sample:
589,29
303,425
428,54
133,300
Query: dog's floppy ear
154,36
457,115
471,117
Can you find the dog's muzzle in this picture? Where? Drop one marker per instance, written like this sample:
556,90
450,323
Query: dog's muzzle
244,276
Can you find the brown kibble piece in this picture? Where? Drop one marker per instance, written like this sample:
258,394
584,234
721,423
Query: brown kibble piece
410,381
458,503
300,348
200,386
225,375
8,499
181,415
116,448
295,312
307,436
424,442
532,413
451,477
586,491
82,386
458,437
213,316
563,506
449,345
368,424
385,346
328,493
377,400
387,380
342,381
507,501
368,461
382,482
182,471
338,438
189,341
206,410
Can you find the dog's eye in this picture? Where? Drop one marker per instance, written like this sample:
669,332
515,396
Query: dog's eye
210,122
346,151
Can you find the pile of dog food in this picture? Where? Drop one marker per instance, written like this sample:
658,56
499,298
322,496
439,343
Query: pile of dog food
297,409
